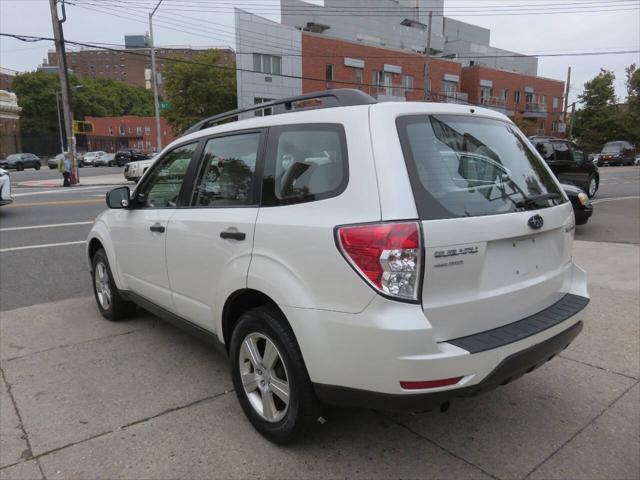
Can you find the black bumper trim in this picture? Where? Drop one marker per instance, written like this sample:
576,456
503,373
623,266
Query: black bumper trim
566,307
511,368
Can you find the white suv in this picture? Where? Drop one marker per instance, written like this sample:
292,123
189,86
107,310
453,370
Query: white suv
389,256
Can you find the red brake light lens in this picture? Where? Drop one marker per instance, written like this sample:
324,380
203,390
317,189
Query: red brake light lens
430,383
387,255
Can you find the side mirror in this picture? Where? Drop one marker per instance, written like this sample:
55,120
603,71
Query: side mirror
118,198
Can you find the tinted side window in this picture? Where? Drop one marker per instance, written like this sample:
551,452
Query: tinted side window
545,149
227,171
305,163
163,185
578,155
562,151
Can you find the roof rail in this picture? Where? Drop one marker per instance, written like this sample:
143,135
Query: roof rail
340,97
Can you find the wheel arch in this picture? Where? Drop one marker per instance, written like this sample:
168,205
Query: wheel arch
240,302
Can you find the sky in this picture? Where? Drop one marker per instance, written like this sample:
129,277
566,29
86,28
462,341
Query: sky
185,22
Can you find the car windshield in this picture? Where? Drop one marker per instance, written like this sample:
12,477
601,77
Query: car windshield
15,156
463,166
612,147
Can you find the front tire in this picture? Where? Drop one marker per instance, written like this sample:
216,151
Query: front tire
110,303
19,167
592,186
270,378
37,166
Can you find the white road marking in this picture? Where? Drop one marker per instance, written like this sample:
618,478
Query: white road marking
614,199
43,245
62,190
52,225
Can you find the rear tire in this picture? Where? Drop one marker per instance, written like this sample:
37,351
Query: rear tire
51,168
270,378
111,164
110,303
19,167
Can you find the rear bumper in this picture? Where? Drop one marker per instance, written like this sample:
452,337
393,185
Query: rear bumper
360,359
511,368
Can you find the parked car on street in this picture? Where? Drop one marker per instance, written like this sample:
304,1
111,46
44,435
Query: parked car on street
20,161
106,160
128,155
90,158
389,255
582,207
5,188
617,153
133,171
569,163
52,162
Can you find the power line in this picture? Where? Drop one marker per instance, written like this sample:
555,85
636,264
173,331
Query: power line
104,46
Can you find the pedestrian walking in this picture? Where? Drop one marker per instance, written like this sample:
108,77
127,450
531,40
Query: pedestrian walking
64,167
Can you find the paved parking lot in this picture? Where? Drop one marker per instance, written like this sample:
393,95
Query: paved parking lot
81,397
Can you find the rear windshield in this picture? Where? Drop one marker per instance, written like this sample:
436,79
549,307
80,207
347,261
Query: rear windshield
463,166
612,147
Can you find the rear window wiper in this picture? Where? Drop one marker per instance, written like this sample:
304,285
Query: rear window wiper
528,201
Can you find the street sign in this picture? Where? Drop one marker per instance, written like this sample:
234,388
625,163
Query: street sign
165,105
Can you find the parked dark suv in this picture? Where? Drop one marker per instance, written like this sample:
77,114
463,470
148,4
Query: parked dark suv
569,163
127,155
617,153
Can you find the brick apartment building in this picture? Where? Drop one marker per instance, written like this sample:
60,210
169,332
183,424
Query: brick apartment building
130,65
384,73
113,133
314,48
518,96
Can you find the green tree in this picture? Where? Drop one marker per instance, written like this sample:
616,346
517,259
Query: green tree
198,90
36,93
633,104
600,119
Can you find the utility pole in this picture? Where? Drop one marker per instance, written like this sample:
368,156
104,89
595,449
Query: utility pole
59,121
154,79
64,82
573,116
566,99
427,69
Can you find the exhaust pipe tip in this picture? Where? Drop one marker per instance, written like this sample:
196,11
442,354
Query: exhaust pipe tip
445,406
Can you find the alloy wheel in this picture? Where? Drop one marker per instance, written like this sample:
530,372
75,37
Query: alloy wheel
593,185
264,377
103,289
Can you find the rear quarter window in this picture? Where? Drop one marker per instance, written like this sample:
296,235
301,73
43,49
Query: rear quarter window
304,163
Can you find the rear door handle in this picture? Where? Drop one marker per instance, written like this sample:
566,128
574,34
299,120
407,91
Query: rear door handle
156,227
233,235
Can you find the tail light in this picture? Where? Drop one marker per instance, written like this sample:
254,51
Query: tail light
388,256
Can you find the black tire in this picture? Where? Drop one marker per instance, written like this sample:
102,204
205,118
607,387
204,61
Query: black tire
303,411
111,164
37,166
118,308
19,167
51,168
591,193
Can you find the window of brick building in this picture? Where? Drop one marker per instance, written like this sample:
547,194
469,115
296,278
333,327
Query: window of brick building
407,82
359,75
516,97
556,104
328,72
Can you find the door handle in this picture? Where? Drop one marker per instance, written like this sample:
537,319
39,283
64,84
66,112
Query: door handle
232,235
156,227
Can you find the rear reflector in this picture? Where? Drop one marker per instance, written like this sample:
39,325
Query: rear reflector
386,255
430,383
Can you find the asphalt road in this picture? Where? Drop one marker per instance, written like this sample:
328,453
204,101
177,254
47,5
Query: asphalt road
55,269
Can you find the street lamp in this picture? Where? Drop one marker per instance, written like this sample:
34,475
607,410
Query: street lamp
60,119
154,79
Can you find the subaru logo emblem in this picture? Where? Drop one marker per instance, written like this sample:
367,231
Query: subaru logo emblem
536,222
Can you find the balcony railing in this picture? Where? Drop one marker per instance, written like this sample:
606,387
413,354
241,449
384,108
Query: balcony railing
494,102
450,97
536,107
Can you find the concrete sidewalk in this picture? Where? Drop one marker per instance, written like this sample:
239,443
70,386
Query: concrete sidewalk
109,179
85,398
